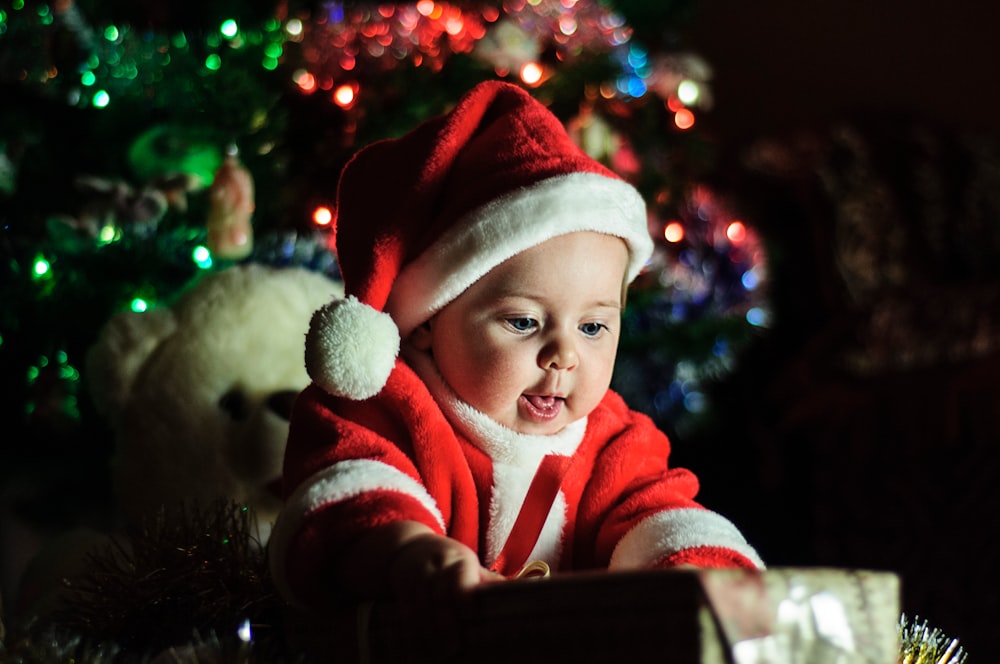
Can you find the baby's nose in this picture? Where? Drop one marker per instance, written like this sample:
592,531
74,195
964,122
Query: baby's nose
559,354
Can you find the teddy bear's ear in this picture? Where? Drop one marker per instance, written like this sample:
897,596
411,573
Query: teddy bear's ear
121,349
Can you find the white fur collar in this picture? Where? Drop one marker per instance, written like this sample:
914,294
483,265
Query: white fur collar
500,443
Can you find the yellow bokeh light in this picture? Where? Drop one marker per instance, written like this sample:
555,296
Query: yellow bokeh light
674,232
736,232
688,92
322,216
531,73
344,96
305,80
684,119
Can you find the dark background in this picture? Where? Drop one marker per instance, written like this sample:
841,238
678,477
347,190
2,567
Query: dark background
860,137
782,62
890,462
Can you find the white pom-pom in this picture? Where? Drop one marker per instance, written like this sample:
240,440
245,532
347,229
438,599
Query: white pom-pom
351,348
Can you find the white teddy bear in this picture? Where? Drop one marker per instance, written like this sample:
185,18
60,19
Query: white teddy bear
198,393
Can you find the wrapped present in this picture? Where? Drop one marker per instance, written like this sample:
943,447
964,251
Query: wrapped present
781,616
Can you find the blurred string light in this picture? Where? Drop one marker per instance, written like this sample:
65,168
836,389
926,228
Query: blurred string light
124,62
53,384
708,273
340,44
229,29
345,96
344,42
245,632
202,257
41,269
673,232
683,118
531,73
322,216
710,264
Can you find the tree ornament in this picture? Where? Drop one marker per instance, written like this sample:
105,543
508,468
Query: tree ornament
507,47
231,201
165,150
600,140
681,76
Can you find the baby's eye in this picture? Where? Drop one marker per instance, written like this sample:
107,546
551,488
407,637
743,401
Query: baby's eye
593,329
522,324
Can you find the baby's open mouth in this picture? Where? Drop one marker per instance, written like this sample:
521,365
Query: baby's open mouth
541,407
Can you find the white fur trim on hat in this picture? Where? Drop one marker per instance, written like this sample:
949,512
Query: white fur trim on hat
351,348
526,217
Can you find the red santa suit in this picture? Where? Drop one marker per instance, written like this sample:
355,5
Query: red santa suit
416,452
377,439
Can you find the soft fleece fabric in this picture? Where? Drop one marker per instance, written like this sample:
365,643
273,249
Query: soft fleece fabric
422,217
352,465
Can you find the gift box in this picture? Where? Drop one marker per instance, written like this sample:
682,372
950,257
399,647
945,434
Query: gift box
781,616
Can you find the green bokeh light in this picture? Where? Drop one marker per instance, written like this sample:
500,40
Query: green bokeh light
41,269
202,257
109,233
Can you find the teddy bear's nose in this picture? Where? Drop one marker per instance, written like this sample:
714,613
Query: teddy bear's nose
281,402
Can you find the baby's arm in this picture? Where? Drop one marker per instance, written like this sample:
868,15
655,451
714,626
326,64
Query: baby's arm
409,562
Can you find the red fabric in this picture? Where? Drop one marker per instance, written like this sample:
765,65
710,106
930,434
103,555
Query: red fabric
619,476
498,138
531,518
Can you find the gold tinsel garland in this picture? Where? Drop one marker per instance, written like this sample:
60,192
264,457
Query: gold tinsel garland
922,644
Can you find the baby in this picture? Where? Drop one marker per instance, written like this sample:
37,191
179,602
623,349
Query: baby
460,423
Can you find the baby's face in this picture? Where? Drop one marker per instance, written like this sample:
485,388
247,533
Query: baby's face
532,344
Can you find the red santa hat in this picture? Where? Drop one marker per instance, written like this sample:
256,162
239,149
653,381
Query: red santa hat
423,217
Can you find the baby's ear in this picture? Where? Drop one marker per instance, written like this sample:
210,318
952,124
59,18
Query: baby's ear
420,337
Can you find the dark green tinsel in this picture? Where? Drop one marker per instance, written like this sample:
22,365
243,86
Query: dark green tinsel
190,581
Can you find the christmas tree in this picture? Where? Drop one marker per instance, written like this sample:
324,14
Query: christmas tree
142,148
144,145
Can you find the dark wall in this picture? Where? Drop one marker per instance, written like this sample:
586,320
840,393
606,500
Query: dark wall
861,138
779,62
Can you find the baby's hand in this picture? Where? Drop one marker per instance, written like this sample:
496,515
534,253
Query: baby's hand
430,571
430,575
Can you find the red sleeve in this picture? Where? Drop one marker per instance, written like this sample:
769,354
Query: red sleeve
638,512
349,467
354,465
